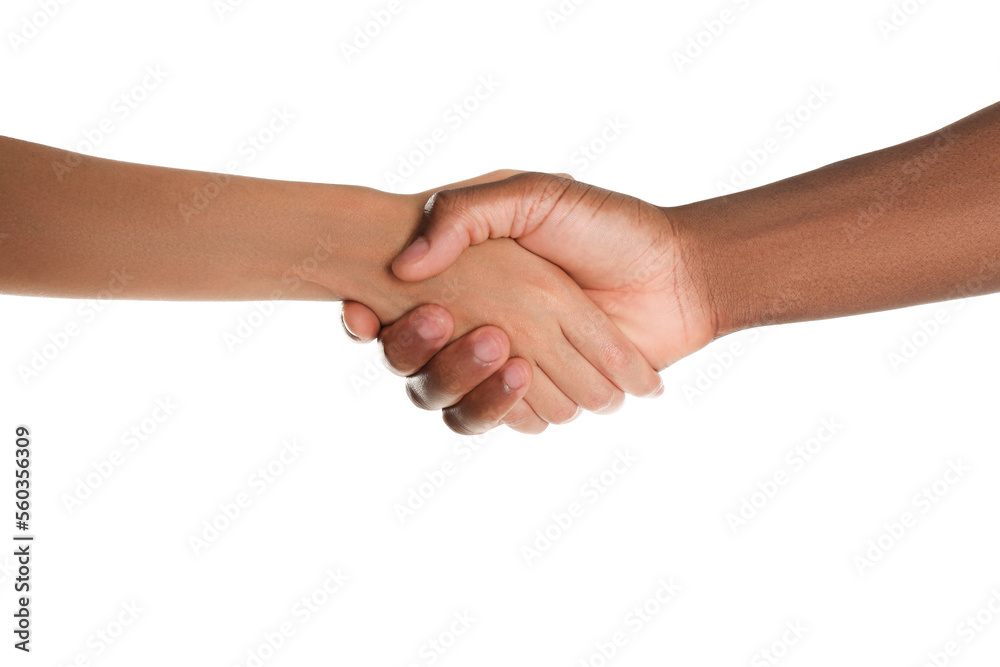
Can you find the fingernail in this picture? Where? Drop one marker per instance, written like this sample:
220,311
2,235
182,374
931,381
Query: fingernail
350,334
415,251
486,349
428,328
514,377
659,391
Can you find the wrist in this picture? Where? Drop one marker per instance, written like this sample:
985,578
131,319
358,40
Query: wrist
753,262
718,263
346,239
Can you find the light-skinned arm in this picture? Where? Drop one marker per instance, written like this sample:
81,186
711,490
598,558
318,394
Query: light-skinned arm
152,233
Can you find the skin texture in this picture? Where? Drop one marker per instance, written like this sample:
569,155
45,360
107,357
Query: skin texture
190,235
910,224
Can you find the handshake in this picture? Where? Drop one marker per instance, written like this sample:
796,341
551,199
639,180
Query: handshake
592,291
520,298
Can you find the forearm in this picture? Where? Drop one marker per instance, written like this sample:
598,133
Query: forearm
142,232
914,223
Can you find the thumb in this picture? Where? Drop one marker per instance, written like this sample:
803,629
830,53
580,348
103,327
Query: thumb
457,218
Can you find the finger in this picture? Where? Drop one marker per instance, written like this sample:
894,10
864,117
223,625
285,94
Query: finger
459,217
412,340
455,219
484,407
548,401
581,382
599,340
459,368
523,419
360,323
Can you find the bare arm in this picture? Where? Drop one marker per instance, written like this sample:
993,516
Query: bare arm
914,223
174,234
910,224
116,229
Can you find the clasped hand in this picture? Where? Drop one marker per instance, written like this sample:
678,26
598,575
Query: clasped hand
591,291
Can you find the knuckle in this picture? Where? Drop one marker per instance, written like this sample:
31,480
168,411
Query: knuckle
600,398
397,358
614,404
543,186
534,179
616,358
456,210
448,380
450,372
443,202
432,311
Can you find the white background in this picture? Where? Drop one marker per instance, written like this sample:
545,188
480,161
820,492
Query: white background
364,447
